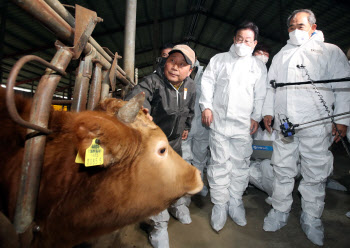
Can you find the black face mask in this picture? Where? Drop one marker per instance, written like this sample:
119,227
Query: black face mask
161,61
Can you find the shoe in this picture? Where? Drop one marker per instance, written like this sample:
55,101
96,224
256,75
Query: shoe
182,213
187,201
275,220
237,212
312,227
159,237
204,191
333,184
218,216
348,214
268,200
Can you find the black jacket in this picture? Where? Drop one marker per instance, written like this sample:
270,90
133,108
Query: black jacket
168,106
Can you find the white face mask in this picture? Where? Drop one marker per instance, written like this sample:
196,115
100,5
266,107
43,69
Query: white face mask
298,37
243,50
263,58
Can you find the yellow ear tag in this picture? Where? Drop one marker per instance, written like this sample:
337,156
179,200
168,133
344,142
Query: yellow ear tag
79,159
94,154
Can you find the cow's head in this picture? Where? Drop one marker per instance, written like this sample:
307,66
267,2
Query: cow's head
139,151
140,174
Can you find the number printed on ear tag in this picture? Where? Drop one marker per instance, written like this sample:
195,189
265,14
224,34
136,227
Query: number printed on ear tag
94,154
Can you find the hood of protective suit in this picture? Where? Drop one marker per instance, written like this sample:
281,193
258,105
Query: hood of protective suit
317,35
198,77
198,130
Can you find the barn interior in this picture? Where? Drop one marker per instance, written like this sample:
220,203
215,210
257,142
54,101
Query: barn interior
206,25
129,40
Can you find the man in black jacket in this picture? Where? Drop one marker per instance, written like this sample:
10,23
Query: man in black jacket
170,98
170,95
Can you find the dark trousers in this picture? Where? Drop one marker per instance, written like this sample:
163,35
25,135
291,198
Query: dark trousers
176,145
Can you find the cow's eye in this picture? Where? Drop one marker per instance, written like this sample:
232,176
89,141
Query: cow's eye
162,151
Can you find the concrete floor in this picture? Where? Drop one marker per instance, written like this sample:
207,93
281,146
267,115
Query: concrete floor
200,234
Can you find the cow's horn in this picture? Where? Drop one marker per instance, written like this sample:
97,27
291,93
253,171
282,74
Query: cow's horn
129,111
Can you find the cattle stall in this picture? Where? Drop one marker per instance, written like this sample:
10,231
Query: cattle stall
97,77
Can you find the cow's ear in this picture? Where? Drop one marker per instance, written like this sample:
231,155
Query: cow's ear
89,144
110,105
85,132
118,140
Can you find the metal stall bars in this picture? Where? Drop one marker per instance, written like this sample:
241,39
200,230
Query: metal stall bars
32,164
129,40
125,78
34,147
35,142
82,80
136,75
83,29
95,87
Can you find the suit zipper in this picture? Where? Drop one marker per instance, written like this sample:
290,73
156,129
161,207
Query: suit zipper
177,103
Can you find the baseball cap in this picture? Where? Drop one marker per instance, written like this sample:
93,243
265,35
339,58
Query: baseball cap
186,51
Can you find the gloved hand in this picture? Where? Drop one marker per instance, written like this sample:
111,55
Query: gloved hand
342,129
207,117
267,122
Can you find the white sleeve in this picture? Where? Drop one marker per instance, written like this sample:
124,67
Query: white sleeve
340,68
259,94
269,103
208,86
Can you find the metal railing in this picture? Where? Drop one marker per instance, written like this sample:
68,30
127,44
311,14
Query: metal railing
96,63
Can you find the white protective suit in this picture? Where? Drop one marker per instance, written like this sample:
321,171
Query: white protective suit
159,236
233,88
260,170
348,136
301,104
348,131
195,149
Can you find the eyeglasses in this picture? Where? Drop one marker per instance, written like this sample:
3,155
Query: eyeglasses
248,42
260,52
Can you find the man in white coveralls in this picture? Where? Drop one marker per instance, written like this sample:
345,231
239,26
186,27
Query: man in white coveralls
305,56
233,92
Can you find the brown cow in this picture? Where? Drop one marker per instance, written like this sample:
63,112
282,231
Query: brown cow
141,174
